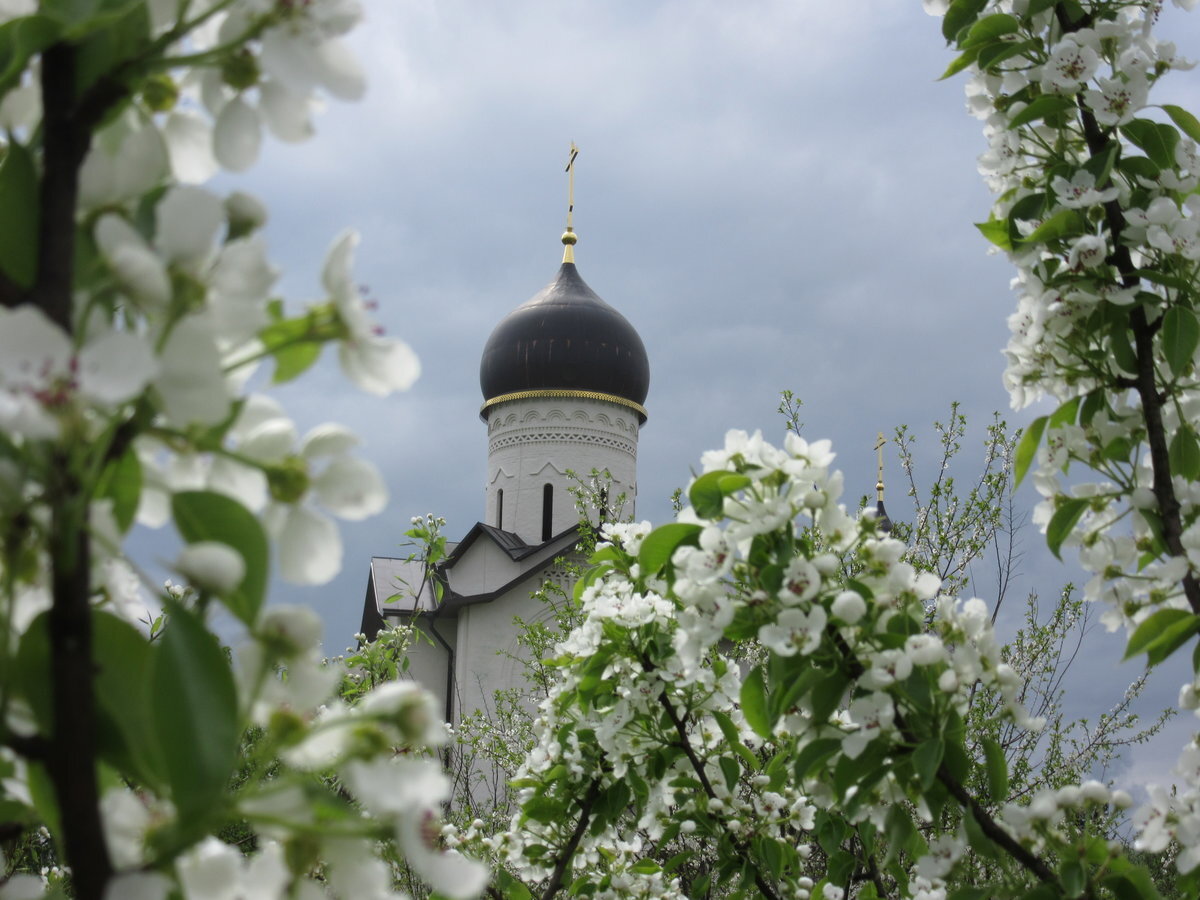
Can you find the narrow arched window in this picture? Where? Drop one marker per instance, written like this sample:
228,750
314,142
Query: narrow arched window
603,505
500,508
547,510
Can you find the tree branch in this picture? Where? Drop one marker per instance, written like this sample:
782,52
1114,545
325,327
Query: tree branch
685,744
564,859
1145,382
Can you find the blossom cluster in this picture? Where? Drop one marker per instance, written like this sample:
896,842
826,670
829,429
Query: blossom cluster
745,681
130,343
1096,209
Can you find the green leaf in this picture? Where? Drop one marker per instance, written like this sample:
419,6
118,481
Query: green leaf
1027,448
195,715
990,28
1135,884
660,544
1135,167
1121,349
121,482
959,16
294,359
1166,279
997,770
980,843
1171,639
962,61
973,893
1100,165
827,696
1157,140
1152,628
1184,453
1072,877
31,675
1063,520
21,40
1065,414
708,492
754,703
1064,223
926,758
995,231
1037,6
731,770
19,216
1186,122
209,516
813,753
123,661
902,836
1180,336
509,887
1040,108
994,54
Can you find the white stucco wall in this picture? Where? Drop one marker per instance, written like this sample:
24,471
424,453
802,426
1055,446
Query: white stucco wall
487,635
533,442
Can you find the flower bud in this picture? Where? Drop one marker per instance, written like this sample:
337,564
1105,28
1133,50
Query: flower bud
289,630
211,566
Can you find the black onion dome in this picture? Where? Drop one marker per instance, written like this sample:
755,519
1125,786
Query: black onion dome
565,338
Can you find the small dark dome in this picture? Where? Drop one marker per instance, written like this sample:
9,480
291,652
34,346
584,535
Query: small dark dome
565,338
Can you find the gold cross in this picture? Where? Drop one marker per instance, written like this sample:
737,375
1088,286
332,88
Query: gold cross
569,237
879,443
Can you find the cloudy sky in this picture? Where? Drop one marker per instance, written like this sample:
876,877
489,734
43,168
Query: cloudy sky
776,193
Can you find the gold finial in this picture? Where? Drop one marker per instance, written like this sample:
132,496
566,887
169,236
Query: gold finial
879,442
569,237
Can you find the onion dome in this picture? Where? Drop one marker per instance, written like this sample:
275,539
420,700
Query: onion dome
565,341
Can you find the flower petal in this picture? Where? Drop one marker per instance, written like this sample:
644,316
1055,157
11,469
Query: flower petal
310,548
287,114
237,136
115,367
351,489
189,144
189,218
329,439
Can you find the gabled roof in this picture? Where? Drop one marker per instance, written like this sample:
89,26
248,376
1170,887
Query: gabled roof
561,543
391,576
508,541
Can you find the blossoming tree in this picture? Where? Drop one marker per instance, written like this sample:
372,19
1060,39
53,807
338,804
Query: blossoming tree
836,761
764,687
135,305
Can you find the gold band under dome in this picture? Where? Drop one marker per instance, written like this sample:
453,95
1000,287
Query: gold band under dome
566,395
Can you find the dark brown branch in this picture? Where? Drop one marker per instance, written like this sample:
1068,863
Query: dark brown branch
1145,380
685,744
970,805
871,868
564,859
64,144
992,829
34,748
71,756
71,752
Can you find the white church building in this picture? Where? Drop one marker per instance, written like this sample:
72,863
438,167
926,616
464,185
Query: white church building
564,379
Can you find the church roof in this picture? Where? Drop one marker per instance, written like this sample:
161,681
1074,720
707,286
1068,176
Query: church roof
565,338
508,541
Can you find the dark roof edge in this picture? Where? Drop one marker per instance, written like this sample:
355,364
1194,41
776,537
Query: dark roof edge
516,554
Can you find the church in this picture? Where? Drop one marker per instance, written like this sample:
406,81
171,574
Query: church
564,378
